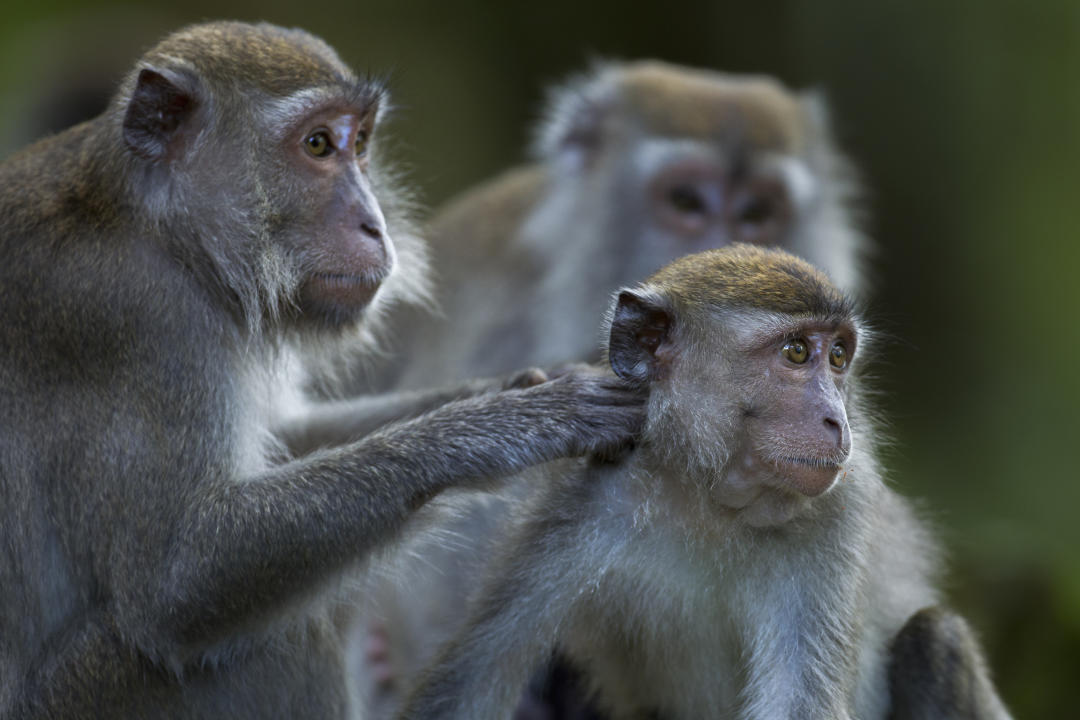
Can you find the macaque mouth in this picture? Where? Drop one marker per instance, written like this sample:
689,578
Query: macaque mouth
810,462
344,288
340,280
810,476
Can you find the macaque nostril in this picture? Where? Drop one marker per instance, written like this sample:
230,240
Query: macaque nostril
836,429
371,230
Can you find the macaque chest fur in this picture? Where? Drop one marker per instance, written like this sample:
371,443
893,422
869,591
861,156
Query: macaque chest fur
672,613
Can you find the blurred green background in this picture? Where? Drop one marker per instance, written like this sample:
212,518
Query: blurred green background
965,120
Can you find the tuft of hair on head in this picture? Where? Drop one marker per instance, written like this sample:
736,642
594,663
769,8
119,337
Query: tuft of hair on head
275,60
748,276
669,100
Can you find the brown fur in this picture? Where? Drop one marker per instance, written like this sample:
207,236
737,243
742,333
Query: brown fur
238,53
678,102
693,578
747,276
526,263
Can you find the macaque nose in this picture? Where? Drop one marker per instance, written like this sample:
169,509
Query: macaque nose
373,237
838,429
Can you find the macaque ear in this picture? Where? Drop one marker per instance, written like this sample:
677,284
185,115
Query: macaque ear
639,337
576,117
156,114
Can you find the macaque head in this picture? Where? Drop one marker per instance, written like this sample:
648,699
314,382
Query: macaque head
747,353
254,145
675,160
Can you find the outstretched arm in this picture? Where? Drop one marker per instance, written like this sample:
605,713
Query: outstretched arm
281,533
333,423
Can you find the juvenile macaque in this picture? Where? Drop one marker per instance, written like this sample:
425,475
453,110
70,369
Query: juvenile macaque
170,273
637,164
745,560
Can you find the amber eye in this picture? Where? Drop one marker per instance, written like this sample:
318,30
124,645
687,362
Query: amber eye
318,144
361,143
838,357
796,351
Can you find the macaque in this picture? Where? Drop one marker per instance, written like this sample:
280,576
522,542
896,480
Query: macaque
745,558
179,521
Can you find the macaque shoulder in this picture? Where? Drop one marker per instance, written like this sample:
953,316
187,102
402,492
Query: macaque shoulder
503,202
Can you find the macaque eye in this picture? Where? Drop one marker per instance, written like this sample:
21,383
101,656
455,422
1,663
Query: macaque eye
838,356
318,144
796,351
686,199
361,143
756,212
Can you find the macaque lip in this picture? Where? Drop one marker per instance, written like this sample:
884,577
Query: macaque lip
343,289
808,476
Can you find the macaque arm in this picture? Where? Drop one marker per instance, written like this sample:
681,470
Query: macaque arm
329,424
288,529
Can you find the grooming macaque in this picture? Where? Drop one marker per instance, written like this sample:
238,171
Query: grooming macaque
745,560
171,273
638,164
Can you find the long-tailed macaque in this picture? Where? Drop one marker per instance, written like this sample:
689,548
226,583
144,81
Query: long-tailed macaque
637,164
745,559
168,273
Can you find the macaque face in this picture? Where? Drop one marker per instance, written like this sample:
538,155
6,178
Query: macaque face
787,409
703,196
350,254
746,352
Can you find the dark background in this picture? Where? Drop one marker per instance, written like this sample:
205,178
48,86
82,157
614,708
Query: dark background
965,120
